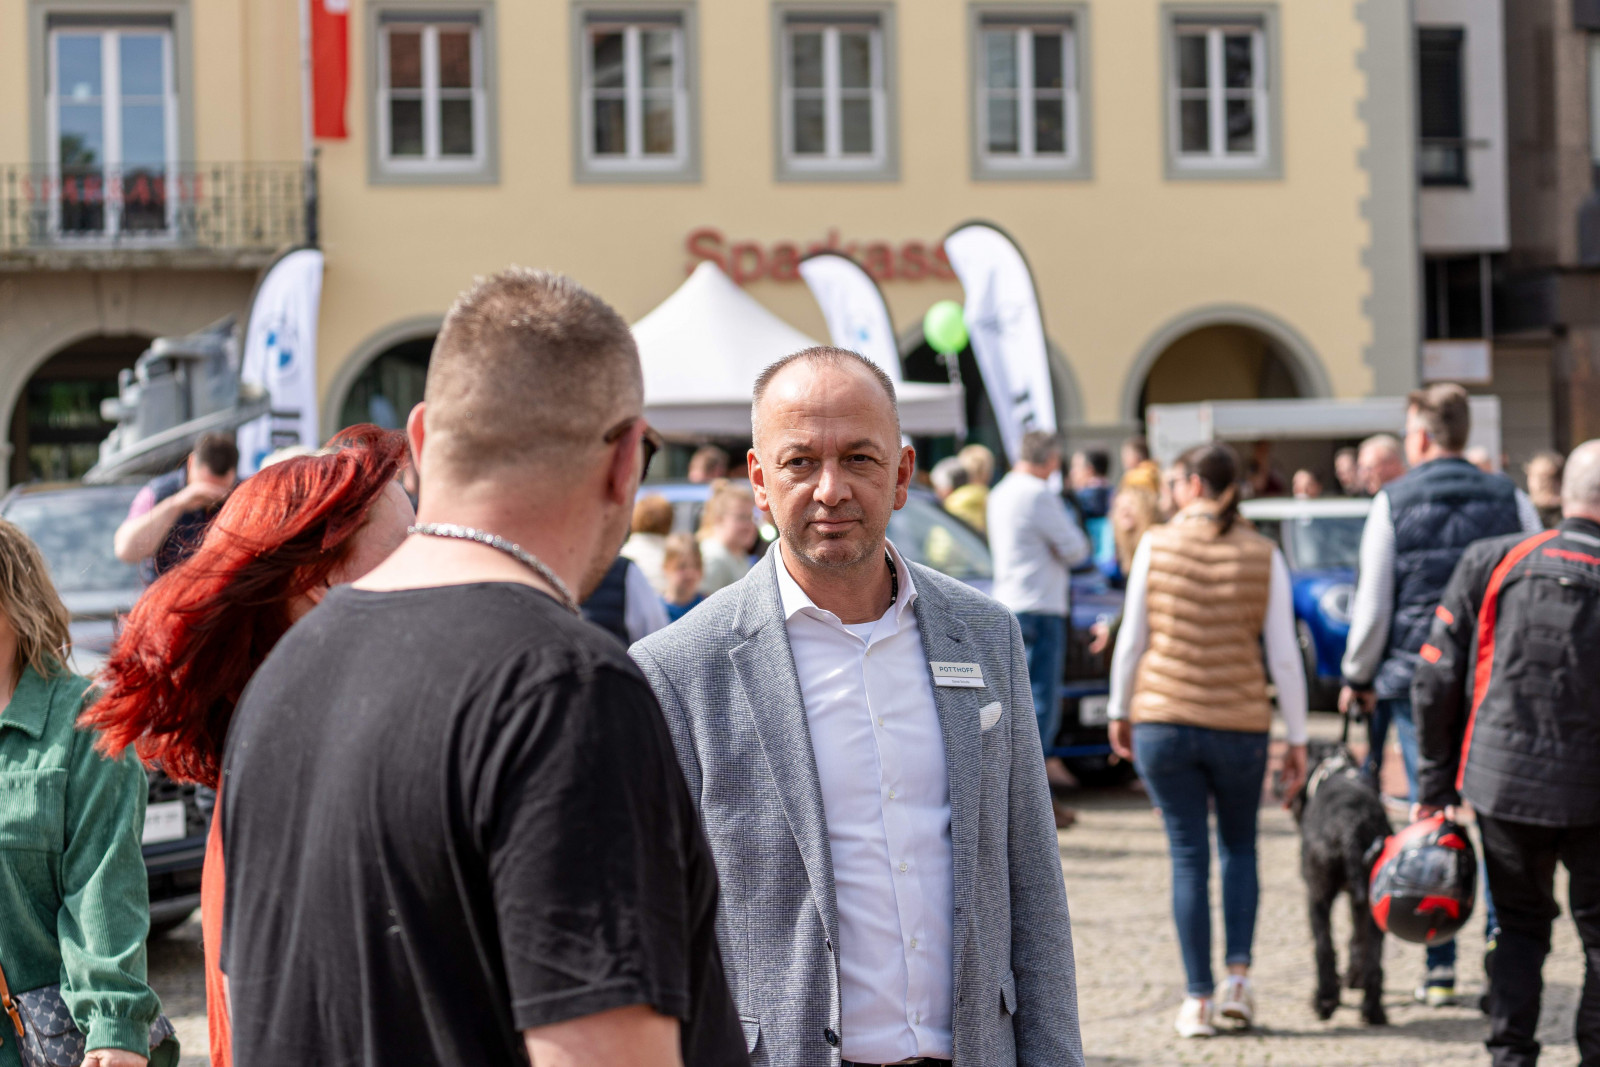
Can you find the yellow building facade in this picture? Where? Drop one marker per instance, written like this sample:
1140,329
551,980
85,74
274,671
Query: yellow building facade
1217,199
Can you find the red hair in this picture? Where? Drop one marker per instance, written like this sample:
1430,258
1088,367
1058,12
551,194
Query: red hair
193,641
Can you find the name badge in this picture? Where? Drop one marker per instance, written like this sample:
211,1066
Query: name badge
957,675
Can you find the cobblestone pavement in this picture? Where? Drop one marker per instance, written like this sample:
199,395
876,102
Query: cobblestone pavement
1130,980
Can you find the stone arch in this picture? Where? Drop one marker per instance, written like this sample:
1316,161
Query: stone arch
1298,357
417,328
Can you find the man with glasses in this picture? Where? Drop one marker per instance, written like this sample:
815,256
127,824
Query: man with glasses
456,832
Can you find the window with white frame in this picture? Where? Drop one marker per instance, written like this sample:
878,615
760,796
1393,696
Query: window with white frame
111,113
635,99
1028,94
1219,99
834,106
431,107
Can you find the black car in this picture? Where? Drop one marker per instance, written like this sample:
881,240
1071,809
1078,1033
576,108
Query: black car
73,526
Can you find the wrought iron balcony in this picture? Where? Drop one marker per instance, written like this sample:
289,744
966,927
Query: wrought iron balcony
197,216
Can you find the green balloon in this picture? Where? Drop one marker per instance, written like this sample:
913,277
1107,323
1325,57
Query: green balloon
944,329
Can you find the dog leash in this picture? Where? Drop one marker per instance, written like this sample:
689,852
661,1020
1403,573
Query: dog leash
1344,731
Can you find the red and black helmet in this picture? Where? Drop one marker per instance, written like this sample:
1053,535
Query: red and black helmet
1424,881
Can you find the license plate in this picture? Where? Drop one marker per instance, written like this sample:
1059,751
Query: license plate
164,822
1092,710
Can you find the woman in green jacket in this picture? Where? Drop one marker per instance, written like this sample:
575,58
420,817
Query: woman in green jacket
74,899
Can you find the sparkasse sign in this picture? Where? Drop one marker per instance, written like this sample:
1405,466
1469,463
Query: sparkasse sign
747,261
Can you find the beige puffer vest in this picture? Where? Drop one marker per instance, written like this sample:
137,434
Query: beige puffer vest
1206,602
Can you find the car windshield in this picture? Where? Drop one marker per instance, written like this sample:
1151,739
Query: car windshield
926,534
1324,543
74,530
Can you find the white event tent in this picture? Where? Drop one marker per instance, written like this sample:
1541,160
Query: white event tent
703,347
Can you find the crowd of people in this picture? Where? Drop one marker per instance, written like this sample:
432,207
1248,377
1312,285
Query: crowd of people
786,800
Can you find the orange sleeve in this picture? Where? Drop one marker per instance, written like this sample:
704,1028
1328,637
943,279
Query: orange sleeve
218,1017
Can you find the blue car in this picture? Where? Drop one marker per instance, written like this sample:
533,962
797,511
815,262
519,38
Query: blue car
1321,541
925,533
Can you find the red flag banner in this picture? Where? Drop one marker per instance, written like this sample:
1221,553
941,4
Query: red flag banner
330,66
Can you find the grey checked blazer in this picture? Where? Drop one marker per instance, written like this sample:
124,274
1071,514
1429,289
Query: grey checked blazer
726,681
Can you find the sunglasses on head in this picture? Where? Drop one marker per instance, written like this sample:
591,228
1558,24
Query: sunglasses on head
649,444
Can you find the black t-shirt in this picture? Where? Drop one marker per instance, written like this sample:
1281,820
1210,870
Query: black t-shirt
449,815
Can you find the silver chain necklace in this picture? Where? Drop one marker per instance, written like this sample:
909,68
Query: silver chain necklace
515,551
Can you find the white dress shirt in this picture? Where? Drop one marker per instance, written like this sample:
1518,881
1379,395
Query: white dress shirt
1284,664
1035,545
886,795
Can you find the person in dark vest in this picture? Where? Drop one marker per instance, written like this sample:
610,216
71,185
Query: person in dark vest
625,604
1418,527
1521,742
170,514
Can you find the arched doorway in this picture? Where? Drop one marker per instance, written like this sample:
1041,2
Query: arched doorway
1238,355
56,428
1220,362
389,386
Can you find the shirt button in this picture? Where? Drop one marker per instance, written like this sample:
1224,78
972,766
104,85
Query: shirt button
830,1037
913,942
891,794
903,868
880,720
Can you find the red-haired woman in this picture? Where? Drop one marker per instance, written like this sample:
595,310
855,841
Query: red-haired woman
193,641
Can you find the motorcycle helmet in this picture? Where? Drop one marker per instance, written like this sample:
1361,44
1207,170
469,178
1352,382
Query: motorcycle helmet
1424,881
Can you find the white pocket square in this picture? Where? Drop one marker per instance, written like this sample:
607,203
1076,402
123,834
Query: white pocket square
988,715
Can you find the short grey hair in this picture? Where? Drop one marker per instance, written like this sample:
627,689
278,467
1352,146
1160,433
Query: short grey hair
948,475
1580,481
1384,442
1040,447
827,356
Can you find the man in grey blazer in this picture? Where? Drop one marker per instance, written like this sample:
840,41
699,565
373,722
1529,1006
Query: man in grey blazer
859,735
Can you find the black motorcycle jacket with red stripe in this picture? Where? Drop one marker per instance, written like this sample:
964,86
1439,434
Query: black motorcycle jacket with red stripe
1507,697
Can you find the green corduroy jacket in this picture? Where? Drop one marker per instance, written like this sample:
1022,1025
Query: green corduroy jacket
74,897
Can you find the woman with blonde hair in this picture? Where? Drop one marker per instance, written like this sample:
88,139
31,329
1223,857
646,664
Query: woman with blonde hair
74,896
1189,706
1133,511
727,535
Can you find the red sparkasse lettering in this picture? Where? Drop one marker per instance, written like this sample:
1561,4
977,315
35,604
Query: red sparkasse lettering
913,261
737,257
705,244
746,261
878,261
784,263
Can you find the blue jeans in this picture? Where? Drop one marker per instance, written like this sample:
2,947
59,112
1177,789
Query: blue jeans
1189,769
1405,727
1045,639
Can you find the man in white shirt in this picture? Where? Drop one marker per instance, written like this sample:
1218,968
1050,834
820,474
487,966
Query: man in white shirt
857,732
1035,545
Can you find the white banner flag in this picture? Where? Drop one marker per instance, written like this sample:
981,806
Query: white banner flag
854,309
1006,330
280,355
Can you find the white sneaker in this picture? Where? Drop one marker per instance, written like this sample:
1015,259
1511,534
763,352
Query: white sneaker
1238,1003
1194,1018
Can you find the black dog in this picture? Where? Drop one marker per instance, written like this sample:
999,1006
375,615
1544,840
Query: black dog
1342,827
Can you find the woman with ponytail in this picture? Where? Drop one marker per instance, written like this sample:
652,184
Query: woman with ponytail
193,641
1189,706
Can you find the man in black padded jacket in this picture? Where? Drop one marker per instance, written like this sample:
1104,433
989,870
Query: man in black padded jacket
1507,699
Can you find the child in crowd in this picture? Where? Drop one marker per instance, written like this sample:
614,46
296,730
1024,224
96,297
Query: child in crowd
681,570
